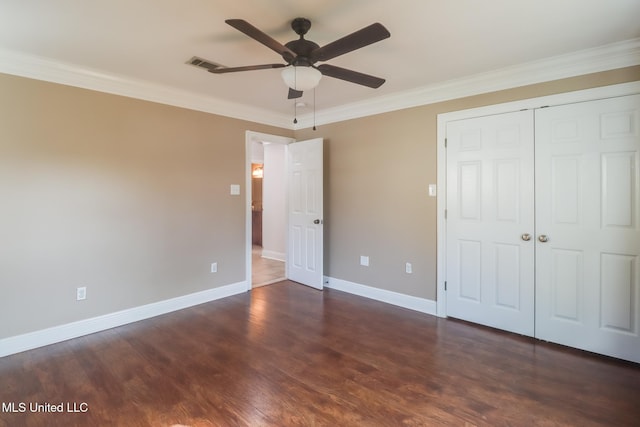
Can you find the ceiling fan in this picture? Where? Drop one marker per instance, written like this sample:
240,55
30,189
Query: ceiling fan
300,72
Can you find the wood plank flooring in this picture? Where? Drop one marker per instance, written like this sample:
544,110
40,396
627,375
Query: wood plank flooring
288,355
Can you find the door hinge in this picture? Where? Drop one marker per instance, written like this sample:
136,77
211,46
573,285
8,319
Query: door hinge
445,214
445,285
445,143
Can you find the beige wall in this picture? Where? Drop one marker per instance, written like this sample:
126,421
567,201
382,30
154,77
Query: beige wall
131,198
377,171
126,197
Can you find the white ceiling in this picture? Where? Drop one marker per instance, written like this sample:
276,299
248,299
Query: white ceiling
147,42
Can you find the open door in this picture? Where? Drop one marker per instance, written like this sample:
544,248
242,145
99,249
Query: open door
305,225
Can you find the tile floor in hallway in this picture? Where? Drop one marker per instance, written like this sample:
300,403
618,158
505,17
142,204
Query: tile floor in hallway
264,270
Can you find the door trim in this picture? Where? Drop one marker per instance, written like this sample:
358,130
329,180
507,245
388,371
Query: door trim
250,138
525,104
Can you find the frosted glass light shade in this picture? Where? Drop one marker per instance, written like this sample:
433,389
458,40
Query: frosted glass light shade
301,78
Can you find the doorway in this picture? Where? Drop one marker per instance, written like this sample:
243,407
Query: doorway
266,203
295,173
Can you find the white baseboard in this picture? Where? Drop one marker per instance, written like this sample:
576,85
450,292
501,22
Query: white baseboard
422,305
278,256
31,340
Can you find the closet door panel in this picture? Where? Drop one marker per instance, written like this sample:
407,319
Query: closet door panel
490,270
588,225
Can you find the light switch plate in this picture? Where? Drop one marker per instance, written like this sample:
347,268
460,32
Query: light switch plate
235,189
432,190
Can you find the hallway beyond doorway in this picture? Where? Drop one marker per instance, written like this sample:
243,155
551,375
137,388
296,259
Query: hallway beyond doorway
265,271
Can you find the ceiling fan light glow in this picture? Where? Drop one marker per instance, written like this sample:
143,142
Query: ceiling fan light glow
301,77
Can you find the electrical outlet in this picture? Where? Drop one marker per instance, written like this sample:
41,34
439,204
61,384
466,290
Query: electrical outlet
408,268
364,260
214,267
81,293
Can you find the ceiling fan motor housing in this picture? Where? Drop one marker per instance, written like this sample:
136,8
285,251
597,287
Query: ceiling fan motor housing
303,49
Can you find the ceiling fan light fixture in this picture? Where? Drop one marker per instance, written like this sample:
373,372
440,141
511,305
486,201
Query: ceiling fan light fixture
301,78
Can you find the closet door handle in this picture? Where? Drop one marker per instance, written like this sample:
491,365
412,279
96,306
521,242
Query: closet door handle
543,238
526,237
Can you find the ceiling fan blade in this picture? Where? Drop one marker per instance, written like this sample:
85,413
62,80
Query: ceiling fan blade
293,94
248,29
361,38
223,70
351,76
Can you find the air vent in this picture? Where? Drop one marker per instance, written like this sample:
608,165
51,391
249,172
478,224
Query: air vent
204,63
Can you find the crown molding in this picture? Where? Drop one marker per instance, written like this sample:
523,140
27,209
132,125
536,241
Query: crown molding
603,58
608,57
39,68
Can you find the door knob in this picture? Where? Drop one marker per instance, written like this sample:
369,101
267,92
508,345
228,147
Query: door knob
543,238
317,221
526,237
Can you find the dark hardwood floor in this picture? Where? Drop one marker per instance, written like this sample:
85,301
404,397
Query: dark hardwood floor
287,355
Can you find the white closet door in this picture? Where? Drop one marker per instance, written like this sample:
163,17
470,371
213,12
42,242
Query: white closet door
490,262
588,211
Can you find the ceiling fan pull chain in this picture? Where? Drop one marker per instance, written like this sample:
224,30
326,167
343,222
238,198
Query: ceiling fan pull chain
295,112
314,108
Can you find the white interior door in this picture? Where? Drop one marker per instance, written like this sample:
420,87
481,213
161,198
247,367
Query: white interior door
490,223
588,218
305,229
